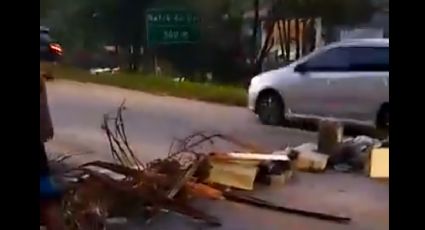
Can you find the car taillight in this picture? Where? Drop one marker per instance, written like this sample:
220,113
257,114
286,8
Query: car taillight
56,48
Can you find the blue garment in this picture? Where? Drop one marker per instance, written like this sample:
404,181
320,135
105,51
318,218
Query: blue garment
48,189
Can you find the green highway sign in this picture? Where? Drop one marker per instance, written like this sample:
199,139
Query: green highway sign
169,26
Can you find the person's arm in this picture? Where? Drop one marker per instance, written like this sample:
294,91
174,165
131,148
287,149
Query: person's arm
46,126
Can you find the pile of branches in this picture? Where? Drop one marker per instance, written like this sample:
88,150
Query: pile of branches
138,189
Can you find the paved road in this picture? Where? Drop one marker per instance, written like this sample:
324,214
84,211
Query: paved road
152,123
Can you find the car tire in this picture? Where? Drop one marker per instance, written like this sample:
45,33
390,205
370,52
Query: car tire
270,108
383,118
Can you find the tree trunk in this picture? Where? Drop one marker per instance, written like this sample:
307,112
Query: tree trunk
281,37
284,38
305,36
297,39
264,49
288,39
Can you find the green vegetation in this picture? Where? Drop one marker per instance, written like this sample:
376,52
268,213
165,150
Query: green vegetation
228,95
82,26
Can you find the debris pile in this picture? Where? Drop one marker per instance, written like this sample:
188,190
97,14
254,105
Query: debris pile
136,188
132,188
129,187
359,154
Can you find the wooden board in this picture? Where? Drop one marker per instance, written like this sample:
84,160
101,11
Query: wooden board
258,156
240,176
249,157
380,163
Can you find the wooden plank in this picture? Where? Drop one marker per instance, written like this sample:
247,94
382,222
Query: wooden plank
380,163
250,156
184,178
246,199
203,191
240,176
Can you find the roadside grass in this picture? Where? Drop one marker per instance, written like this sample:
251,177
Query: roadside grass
228,95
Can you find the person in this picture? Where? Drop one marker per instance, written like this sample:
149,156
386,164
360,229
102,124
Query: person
50,196
46,126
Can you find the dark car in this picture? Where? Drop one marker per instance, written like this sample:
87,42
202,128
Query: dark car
50,50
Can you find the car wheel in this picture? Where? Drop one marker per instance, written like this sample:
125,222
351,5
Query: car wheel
270,109
383,118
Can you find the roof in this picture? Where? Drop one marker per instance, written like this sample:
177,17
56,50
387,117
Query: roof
44,29
365,42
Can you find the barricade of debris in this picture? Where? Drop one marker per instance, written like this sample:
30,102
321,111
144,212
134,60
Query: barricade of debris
103,190
359,154
135,188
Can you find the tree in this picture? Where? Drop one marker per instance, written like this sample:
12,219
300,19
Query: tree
46,6
332,12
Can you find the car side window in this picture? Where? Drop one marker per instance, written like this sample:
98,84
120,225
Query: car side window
369,58
334,59
44,41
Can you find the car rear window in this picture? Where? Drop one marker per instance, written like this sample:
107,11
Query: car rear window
45,38
369,58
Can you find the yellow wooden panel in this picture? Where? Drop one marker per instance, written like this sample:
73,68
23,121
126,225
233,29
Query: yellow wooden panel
240,176
380,163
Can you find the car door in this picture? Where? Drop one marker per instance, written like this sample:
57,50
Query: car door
360,91
311,94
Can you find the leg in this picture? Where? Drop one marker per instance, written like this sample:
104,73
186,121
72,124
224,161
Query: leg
50,209
51,215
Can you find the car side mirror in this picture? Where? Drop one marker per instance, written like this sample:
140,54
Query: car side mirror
301,69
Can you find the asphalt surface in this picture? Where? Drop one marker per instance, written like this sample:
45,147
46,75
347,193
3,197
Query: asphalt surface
153,121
